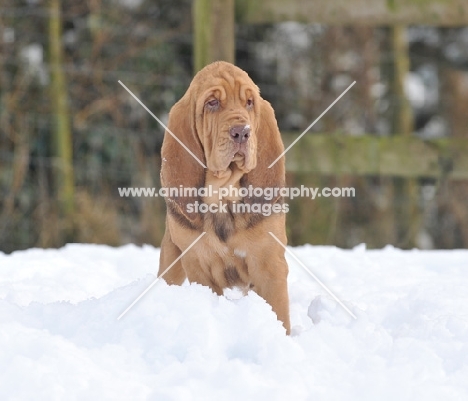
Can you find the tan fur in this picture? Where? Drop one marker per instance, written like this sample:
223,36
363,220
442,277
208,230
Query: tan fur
236,249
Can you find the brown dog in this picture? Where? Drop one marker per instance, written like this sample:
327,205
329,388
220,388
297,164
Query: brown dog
227,125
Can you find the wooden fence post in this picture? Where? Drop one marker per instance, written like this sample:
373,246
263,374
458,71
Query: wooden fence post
403,116
407,216
62,131
213,22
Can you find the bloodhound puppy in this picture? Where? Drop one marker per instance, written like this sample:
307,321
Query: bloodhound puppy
225,123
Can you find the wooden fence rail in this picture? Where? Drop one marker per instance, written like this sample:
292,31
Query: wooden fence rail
398,156
352,12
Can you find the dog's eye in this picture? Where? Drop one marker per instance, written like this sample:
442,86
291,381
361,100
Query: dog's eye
212,104
250,103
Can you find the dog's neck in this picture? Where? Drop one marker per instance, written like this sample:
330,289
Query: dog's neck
224,179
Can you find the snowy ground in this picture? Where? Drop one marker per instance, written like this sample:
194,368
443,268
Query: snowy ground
60,338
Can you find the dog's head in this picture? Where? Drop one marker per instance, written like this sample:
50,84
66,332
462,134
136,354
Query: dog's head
225,123
227,109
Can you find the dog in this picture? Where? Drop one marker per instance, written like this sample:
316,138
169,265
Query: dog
225,123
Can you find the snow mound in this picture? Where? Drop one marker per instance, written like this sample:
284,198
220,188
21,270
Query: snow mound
61,339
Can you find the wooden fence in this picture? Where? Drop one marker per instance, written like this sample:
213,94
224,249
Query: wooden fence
400,155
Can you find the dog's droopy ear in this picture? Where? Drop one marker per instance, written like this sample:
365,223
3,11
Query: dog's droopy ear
179,168
269,147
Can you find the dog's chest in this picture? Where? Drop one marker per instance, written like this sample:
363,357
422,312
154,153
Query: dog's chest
223,224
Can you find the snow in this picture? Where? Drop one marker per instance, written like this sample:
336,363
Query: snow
33,55
60,337
415,90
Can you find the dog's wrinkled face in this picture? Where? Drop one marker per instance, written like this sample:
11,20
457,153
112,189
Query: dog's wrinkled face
226,121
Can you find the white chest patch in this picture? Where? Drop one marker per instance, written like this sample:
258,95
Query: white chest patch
240,253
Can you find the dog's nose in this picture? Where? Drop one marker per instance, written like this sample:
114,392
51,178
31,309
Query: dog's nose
240,133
